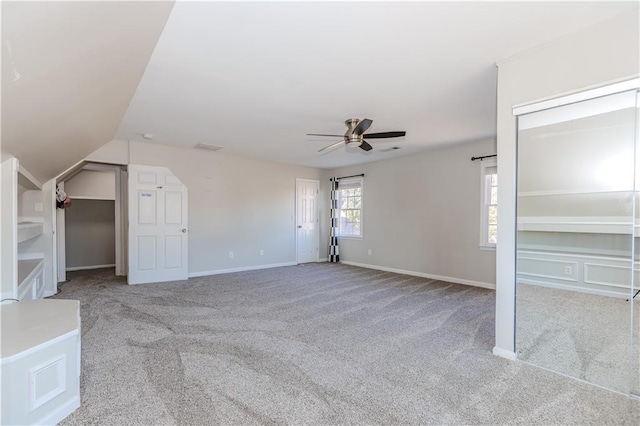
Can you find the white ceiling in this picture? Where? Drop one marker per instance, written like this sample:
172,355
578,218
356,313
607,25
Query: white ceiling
69,70
256,77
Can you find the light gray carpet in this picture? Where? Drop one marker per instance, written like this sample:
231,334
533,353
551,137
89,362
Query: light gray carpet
311,344
582,335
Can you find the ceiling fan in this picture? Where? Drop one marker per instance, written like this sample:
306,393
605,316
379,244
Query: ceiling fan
354,136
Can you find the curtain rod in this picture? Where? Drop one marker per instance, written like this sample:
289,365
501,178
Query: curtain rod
345,177
483,157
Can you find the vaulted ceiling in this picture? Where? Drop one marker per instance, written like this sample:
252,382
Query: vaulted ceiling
255,78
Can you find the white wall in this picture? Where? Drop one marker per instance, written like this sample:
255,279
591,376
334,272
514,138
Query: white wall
422,215
92,184
114,152
235,204
604,53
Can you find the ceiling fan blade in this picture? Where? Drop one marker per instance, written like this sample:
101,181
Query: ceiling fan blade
362,126
331,147
320,134
383,135
365,146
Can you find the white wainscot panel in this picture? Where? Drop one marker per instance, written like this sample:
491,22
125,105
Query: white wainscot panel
47,381
548,268
603,275
610,275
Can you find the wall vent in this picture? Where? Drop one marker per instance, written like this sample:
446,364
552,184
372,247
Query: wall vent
208,147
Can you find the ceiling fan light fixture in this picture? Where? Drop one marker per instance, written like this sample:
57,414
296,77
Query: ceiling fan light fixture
354,140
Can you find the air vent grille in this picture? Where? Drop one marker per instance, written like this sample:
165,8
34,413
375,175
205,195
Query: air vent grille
208,147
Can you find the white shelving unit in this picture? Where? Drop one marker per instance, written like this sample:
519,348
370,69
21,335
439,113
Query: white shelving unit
22,234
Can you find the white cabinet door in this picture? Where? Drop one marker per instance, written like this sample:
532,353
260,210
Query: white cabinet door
158,238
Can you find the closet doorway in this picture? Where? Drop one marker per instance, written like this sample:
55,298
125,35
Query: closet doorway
91,232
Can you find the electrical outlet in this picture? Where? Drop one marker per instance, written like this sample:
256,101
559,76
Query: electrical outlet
37,207
568,270
261,252
369,252
230,255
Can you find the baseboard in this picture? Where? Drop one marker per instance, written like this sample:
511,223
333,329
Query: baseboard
240,269
60,413
324,259
504,353
490,286
86,268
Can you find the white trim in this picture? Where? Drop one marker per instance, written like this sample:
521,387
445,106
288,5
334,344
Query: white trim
324,259
504,353
472,283
240,269
85,268
60,413
577,97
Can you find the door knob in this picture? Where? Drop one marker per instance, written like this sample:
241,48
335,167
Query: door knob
184,230
299,226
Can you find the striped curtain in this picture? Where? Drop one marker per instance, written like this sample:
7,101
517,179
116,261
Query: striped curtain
334,250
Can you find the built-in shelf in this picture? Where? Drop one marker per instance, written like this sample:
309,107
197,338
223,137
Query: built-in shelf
30,279
26,179
28,230
26,268
22,272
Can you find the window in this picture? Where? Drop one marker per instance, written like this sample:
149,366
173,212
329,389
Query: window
350,207
489,214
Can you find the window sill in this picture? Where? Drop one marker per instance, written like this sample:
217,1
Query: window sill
488,248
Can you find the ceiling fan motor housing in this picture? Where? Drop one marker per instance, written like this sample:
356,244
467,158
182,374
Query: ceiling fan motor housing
349,137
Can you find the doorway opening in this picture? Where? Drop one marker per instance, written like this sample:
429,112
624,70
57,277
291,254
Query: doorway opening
91,233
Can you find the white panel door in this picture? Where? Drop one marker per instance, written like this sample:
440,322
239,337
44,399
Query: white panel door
307,230
158,238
